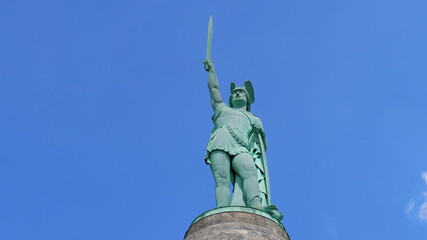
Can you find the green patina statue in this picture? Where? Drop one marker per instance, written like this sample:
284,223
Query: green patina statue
236,148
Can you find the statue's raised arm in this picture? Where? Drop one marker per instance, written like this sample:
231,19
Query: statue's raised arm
213,84
209,67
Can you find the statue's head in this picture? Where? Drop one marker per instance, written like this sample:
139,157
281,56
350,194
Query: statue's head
242,96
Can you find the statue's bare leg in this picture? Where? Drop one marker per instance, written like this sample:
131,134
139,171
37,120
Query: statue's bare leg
243,164
220,167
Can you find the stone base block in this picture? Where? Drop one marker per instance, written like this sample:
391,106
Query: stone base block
236,223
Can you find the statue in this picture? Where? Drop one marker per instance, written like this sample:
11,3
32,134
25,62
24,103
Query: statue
236,148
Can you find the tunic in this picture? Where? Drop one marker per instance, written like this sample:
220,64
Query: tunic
231,132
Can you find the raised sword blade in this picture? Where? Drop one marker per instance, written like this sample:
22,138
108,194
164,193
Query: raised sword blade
209,44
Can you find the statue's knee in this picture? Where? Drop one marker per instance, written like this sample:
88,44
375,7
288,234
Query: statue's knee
220,166
221,173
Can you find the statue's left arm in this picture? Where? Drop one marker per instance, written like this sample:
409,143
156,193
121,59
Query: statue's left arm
258,128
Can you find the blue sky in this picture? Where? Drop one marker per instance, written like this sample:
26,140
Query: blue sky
105,114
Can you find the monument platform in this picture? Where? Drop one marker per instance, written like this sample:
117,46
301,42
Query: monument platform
236,223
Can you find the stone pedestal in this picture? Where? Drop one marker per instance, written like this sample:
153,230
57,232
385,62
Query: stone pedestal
236,223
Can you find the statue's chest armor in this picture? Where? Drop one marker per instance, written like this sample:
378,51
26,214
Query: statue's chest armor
235,119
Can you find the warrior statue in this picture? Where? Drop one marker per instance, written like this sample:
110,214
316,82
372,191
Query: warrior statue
236,148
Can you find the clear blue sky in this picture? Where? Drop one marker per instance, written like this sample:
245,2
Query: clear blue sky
105,114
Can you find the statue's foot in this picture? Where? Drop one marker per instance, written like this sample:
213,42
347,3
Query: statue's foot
266,208
272,210
277,215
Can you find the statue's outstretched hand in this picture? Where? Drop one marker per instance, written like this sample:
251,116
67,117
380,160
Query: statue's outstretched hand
209,66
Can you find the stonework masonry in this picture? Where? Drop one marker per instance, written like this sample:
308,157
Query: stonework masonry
236,225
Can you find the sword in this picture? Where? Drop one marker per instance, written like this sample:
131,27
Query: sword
264,162
209,44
